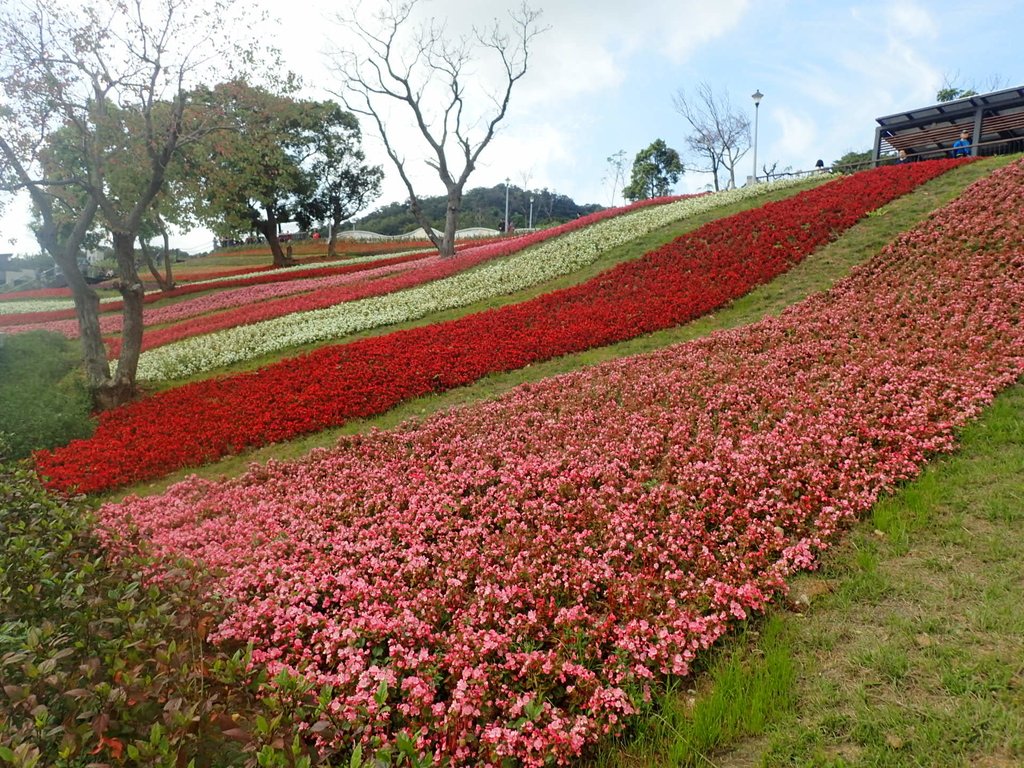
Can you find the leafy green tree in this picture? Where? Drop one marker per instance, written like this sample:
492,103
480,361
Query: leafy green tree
655,170
243,177
280,159
339,184
116,77
852,161
949,93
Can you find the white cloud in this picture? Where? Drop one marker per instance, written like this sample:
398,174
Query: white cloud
795,142
586,59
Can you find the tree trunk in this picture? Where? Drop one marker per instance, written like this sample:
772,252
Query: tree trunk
451,222
269,230
87,301
166,280
87,311
121,387
332,238
428,229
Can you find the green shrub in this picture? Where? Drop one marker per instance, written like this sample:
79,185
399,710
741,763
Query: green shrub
99,668
44,401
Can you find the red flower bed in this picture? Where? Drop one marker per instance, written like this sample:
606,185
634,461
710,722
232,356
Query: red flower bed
509,580
38,293
200,422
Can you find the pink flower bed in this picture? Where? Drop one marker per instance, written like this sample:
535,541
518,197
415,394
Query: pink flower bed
221,299
509,579
698,272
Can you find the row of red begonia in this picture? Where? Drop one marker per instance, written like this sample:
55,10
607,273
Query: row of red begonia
506,580
203,421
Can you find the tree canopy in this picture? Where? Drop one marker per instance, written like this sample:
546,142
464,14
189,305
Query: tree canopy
95,99
655,170
339,184
277,159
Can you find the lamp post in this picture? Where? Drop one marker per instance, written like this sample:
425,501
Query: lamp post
756,96
506,205
531,213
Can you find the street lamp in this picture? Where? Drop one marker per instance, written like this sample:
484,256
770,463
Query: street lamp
756,96
531,213
506,204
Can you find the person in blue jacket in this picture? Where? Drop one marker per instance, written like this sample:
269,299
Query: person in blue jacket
962,146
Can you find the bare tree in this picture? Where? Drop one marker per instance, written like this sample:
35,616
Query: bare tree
95,100
951,91
429,79
616,174
721,135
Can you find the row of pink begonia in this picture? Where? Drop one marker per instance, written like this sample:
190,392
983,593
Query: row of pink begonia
508,579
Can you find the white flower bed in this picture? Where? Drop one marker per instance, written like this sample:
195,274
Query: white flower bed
23,306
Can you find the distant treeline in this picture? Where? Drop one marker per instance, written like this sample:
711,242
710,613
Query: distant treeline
481,207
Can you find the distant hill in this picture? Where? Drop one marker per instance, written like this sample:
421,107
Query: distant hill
481,207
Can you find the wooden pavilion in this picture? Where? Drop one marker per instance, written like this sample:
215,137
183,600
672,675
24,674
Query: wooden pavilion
994,120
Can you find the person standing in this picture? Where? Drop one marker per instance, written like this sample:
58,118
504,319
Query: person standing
962,146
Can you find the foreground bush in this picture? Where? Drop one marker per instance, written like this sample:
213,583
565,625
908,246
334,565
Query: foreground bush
43,398
99,669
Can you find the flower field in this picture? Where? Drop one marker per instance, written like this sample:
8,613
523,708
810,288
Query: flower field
438,286
509,579
243,298
21,314
24,315
199,422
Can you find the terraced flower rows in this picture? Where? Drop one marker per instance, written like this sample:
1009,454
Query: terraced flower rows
199,422
58,314
438,287
250,288
24,312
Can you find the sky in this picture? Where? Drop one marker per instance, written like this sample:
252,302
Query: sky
602,77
